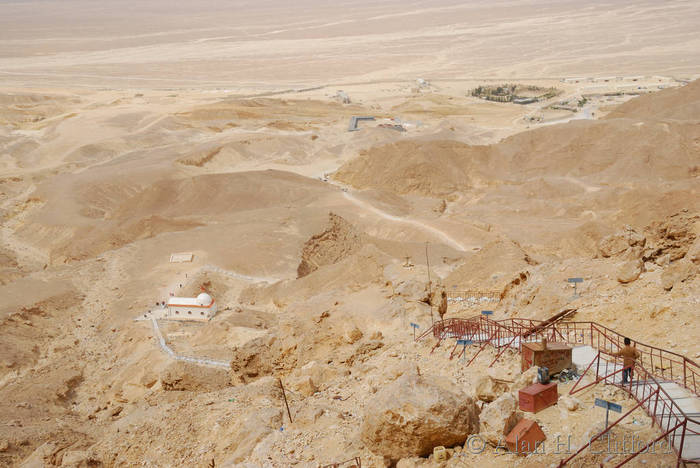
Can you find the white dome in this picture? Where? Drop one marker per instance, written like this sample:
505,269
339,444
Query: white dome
204,299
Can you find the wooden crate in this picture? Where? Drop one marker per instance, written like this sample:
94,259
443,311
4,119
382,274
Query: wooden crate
554,356
537,397
525,437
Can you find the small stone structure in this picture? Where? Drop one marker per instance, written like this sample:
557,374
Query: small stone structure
201,308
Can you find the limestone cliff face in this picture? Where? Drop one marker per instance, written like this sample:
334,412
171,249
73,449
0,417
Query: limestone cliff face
339,240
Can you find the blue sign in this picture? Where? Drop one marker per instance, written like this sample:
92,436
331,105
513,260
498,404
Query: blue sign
487,312
464,342
414,325
575,280
608,405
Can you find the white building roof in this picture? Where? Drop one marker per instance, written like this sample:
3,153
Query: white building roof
203,300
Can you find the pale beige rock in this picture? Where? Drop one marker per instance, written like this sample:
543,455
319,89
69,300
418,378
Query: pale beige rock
629,271
413,462
526,378
181,375
663,260
403,368
568,402
677,272
251,430
353,335
414,290
308,415
304,385
414,414
612,245
498,418
320,374
75,459
487,389
694,252
36,459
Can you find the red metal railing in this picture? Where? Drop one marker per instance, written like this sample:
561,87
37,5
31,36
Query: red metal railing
649,395
663,364
654,363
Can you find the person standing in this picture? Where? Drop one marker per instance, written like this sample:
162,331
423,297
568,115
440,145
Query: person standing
442,308
629,355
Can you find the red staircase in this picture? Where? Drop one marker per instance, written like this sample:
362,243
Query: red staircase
655,367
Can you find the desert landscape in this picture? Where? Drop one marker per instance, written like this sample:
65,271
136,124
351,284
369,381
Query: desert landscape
227,227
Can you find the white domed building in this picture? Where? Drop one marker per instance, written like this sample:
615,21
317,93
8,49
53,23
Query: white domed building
202,308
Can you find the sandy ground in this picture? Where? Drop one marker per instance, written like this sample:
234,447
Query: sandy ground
131,132
263,46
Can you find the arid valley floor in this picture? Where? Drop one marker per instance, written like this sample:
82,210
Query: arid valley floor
131,131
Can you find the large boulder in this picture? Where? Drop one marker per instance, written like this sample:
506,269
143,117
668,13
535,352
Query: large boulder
630,271
413,414
498,418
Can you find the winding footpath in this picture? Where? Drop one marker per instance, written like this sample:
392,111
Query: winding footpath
443,236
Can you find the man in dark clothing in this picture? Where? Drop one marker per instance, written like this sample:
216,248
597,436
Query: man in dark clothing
629,354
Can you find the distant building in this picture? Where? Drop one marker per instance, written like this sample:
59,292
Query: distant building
343,97
202,307
525,100
352,127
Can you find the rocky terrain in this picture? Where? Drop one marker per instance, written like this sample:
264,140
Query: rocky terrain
322,246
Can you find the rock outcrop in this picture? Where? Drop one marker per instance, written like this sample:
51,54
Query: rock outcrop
618,243
339,240
414,414
487,389
526,378
673,236
677,272
180,376
254,428
498,418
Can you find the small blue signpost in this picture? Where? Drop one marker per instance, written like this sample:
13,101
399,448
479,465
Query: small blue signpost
608,405
414,326
575,282
487,312
464,344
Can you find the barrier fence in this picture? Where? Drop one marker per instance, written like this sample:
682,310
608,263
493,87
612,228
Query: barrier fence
654,367
168,350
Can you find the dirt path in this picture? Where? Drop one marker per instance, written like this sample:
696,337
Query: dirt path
174,286
366,206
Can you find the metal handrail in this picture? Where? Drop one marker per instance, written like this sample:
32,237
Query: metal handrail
670,411
671,365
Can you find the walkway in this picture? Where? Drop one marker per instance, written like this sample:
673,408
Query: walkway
443,236
194,360
665,383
